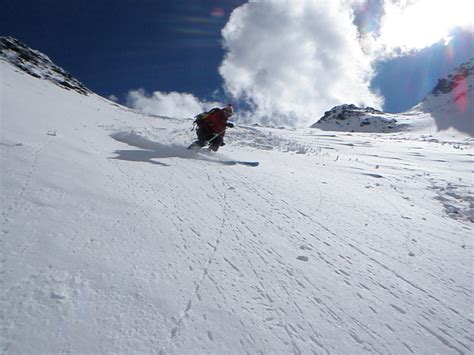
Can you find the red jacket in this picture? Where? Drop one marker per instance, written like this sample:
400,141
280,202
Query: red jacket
217,121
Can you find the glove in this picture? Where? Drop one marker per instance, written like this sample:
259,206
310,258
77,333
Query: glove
230,125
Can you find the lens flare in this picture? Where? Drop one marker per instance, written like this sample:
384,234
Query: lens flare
460,94
199,27
217,12
450,54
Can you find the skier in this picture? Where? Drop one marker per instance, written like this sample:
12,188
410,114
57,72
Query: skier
212,126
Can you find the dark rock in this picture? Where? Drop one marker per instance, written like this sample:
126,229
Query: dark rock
38,65
446,85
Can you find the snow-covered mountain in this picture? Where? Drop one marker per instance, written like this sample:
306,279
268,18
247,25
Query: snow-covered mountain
448,105
451,102
350,118
115,238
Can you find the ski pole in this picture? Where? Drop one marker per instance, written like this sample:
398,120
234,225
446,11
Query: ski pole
215,136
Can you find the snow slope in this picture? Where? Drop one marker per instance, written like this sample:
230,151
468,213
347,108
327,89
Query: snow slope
115,238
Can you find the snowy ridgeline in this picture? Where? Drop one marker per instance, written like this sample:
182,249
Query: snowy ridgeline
38,65
451,101
116,238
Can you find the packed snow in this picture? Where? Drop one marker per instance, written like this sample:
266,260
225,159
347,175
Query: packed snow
117,239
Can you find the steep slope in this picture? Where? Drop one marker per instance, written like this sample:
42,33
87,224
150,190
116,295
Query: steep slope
115,238
451,102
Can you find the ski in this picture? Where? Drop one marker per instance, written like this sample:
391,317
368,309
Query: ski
241,162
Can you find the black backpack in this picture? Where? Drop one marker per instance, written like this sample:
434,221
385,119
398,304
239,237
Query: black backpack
200,119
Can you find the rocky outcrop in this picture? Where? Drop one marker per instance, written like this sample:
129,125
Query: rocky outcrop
454,80
451,102
38,65
350,118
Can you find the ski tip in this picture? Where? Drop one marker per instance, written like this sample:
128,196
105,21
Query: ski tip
251,163
240,162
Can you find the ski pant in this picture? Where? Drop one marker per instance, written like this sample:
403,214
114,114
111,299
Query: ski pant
205,135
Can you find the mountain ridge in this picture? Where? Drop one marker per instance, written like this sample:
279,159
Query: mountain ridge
451,102
38,65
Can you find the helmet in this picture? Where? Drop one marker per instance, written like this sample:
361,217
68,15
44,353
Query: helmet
229,109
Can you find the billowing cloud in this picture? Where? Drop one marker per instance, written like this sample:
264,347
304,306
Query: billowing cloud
291,60
172,104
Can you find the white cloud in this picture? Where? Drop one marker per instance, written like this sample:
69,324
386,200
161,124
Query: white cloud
414,24
293,60
172,104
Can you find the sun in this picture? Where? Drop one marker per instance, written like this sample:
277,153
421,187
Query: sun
417,24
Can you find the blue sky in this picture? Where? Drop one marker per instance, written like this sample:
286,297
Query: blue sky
117,46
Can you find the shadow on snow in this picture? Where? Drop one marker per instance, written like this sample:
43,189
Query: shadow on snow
150,150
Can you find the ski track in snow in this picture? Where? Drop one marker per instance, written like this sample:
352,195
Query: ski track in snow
291,331
195,294
26,181
337,243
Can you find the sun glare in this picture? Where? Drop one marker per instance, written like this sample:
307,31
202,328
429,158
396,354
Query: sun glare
418,24
460,95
